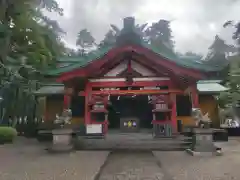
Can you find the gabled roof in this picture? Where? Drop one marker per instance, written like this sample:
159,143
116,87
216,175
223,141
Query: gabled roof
77,62
127,33
82,61
147,57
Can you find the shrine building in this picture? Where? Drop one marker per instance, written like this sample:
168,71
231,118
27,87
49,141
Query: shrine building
131,86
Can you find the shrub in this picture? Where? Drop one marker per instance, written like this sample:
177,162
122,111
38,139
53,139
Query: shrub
7,134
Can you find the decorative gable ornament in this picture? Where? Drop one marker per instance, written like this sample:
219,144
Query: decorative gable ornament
129,78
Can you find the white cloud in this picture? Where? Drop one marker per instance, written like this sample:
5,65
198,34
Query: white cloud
194,22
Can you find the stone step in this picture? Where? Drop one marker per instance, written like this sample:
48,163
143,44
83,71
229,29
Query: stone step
143,148
103,144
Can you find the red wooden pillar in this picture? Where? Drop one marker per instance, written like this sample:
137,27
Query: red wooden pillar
174,112
67,98
87,118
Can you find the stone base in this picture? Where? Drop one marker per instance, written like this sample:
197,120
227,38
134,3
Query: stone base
62,141
204,154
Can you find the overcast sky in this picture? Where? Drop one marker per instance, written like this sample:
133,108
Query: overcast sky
194,22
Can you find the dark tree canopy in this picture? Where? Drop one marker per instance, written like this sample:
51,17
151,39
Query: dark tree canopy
160,31
85,39
158,34
220,47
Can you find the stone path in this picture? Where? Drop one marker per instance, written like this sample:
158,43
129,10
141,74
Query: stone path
132,166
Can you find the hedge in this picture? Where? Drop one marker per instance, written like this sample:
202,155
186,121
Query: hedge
7,134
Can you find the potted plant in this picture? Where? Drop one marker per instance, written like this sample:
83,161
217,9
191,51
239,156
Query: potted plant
62,132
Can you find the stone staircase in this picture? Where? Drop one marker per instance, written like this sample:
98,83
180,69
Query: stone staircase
134,141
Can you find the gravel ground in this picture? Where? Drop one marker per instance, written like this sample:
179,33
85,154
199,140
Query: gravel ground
181,166
31,162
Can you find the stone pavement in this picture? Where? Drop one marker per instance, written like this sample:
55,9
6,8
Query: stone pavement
181,166
132,166
31,162
27,160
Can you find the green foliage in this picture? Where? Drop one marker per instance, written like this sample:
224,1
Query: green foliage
7,134
110,38
232,96
219,46
236,34
218,51
158,34
29,43
85,39
160,31
26,32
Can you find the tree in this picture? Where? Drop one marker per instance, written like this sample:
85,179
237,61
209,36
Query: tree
85,40
218,51
29,42
158,34
25,29
220,47
109,38
232,96
160,31
236,34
